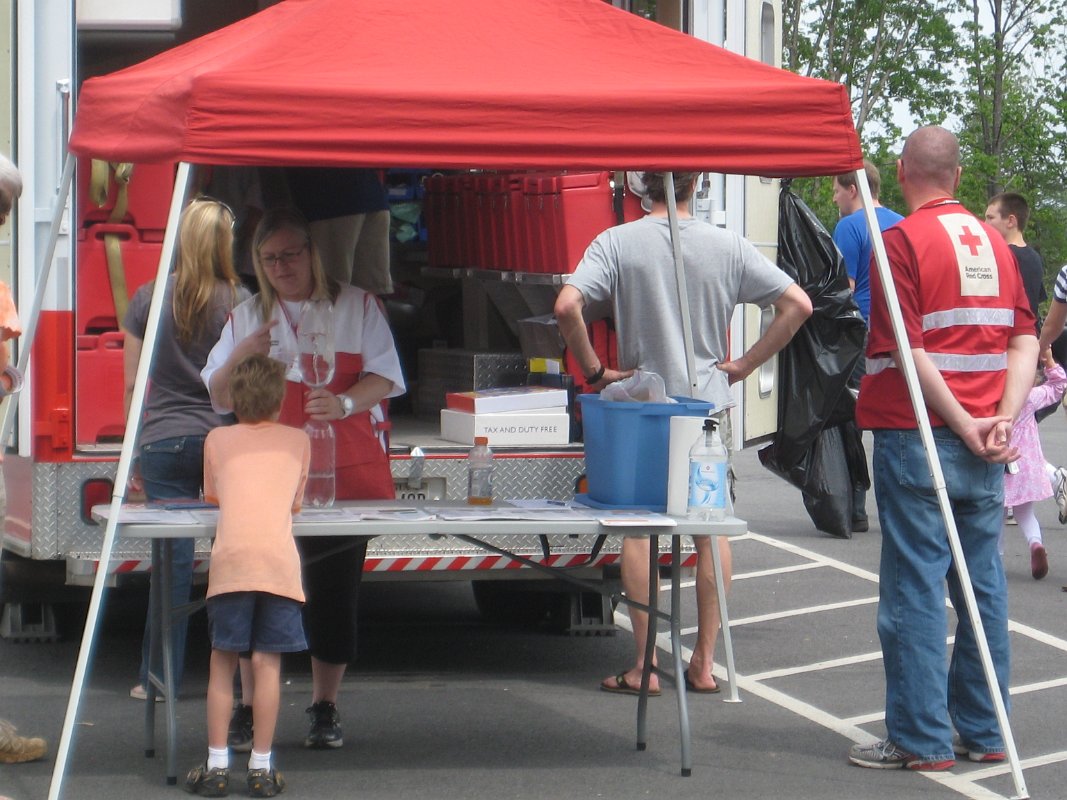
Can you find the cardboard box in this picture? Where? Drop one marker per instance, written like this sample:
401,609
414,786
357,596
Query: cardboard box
508,398
541,426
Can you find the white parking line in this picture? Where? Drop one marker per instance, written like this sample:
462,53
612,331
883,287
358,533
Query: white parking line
966,783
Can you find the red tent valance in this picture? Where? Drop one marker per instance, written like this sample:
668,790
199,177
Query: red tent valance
507,84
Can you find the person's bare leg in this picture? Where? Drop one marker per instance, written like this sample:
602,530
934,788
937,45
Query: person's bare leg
708,621
635,584
267,668
248,681
326,680
220,697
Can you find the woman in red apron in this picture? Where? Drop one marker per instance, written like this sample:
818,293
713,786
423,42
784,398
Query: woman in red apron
367,373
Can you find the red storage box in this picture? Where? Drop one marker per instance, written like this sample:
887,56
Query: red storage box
518,257
99,385
468,221
94,311
499,216
483,231
540,250
577,207
148,198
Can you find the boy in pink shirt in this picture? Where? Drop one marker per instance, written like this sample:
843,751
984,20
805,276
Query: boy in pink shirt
255,471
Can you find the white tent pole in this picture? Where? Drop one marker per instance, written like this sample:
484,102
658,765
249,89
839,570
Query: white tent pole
911,378
679,272
44,272
133,427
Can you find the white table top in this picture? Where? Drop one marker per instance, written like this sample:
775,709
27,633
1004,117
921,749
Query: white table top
396,518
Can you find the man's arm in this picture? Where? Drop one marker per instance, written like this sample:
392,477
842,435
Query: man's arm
791,309
1053,325
988,437
1023,354
568,311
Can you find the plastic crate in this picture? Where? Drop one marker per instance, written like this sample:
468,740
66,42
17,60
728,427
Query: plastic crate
94,311
99,386
148,198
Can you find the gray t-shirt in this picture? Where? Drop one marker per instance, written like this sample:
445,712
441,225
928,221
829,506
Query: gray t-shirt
178,403
632,267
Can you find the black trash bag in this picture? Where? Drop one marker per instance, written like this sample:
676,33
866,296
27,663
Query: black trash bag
814,370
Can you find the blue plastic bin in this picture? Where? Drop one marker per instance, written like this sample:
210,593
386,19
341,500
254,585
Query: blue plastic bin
626,448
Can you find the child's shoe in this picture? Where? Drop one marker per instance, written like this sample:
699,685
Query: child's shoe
1038,561
208,782
265,782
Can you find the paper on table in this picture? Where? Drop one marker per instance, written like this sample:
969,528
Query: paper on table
139,515
391,513
320,514
504,513
634,519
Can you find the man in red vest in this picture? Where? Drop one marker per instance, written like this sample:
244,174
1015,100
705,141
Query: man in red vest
971,332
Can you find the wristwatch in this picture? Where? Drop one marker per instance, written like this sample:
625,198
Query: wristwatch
348,405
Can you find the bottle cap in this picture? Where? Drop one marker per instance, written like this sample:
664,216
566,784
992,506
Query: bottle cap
481,440
710,424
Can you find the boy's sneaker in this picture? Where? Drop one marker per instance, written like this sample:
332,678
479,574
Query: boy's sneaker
265,782
1038,561
208,782
977,756
239,737
1059,488
886,755
325,726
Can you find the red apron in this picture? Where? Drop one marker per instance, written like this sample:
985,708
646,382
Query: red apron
362,465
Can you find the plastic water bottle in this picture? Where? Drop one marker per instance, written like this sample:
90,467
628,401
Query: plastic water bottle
709,495
322,482
480,473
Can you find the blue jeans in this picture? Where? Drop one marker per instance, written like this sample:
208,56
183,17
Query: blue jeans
172,469
925,697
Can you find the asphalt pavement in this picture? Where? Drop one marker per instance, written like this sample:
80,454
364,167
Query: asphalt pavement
444,705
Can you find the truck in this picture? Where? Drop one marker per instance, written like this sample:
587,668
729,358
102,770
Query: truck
61,458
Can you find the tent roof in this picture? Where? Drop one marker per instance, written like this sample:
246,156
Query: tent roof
508,84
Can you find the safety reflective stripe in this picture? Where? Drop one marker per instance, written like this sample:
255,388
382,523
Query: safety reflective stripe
968,316
949,362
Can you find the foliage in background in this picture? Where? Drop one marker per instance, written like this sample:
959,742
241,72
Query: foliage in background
993,71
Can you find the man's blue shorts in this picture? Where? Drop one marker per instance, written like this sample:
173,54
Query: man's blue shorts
242,622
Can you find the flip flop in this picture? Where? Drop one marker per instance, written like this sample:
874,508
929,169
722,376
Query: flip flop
618,685
696,690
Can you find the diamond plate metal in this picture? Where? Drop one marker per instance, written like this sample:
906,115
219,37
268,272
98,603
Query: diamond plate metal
60,533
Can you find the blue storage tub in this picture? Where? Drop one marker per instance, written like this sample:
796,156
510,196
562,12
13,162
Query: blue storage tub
626,448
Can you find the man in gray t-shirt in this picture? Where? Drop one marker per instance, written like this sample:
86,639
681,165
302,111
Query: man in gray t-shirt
631,267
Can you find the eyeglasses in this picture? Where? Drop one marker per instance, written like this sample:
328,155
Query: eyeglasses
272,260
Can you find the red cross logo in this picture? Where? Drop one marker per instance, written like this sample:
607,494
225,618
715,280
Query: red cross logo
970,240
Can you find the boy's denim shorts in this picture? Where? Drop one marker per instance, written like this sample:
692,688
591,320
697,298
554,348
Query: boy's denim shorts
242,622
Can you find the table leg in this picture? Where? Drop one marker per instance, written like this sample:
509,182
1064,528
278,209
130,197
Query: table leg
167,617
154,612
724,619
676,651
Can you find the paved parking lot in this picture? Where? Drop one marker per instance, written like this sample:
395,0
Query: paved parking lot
442,705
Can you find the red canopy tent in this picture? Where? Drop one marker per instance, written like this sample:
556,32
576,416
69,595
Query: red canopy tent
492,84
472,83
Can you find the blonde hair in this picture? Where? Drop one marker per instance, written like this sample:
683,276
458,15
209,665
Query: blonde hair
205,259
323,287
257,387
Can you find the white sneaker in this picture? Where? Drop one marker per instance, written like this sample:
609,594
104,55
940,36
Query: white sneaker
1059,488
138,692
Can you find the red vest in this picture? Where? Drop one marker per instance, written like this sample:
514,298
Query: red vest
962,301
